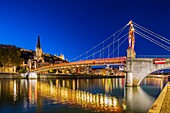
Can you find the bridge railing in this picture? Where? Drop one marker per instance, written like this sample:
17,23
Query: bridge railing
153,56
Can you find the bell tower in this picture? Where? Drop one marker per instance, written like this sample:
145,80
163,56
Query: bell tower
38,51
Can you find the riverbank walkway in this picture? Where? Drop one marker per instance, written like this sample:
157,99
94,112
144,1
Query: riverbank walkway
162,103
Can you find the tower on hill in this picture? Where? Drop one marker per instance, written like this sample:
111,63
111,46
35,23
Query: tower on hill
38,51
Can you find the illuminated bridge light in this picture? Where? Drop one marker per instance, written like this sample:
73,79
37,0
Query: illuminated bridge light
97,99
82,95
115,102
106,100
110,101
94,98
88,97
91,98
101,99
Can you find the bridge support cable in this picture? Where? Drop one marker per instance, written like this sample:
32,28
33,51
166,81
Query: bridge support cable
152,40
102,50
118,46
152,33
86,55
99,51
108,52
93,53
117,33
115,41
100,54
113,45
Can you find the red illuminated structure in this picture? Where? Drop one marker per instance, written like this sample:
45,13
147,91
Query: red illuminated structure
159,61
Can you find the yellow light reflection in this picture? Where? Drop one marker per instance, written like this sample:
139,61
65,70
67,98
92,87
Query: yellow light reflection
15,91
64,95
32,92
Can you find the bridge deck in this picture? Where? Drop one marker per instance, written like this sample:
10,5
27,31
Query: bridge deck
94,62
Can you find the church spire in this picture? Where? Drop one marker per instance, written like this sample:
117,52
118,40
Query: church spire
38,42
38,51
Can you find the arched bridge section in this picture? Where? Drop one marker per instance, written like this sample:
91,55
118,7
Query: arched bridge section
139,68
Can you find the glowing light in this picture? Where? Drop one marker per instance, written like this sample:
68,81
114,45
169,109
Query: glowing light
106,100
99,102
115,102
110,102
15,91
101,99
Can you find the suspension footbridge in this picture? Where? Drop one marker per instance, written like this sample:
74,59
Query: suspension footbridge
109,52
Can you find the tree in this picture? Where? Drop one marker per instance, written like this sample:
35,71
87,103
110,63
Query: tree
9,55
1,65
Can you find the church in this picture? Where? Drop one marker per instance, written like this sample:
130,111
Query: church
41,59
38,52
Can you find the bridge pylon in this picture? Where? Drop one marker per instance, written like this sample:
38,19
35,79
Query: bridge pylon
131,49
131,55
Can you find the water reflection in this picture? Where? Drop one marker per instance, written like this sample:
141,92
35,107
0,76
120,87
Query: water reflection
137,99
159,82
32,91
97,95
64,95
15,91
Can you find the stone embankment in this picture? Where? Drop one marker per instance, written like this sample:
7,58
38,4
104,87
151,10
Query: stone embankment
9,75
162,103
166,104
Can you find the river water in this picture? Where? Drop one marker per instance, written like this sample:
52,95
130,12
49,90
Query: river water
77,95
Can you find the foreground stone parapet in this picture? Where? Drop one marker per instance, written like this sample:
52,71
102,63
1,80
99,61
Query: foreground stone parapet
166,103
162,103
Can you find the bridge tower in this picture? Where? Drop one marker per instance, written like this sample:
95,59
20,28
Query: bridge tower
130,51
131,55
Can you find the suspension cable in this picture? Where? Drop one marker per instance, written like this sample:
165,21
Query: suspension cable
106,47
118,46
120,30
152,40
152,33
112,43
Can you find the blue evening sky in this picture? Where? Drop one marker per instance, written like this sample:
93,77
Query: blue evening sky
73,26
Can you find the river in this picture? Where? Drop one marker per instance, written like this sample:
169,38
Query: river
106,95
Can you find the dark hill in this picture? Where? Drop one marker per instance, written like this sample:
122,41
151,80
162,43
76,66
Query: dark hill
11,55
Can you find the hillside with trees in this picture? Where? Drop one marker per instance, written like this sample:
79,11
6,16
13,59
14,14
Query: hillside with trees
9,56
